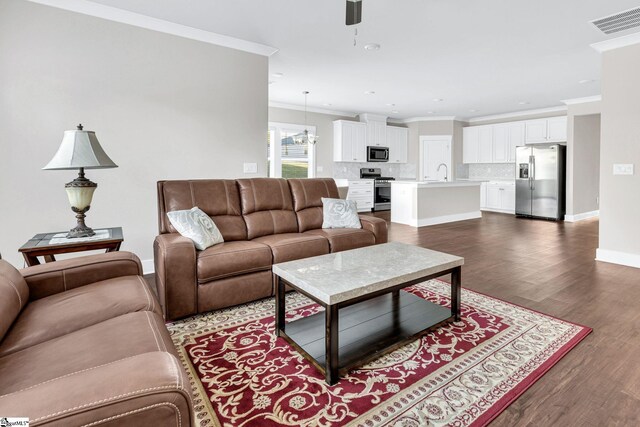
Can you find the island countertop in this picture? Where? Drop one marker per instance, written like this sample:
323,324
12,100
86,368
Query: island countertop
436,184
422,203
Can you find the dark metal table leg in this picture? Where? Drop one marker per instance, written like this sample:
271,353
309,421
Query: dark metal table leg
456,280
280,309
331,344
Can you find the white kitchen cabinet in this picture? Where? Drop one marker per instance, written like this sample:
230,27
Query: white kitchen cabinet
508,201
543,131
362,192
398,142
485,144
377,133
477,144
470,144
500,144
516,139
483,195
499,197
557,129
535,131
349,141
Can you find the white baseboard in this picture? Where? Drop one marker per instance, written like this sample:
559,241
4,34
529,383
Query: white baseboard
581,216
446,218
506,211
148,266
616,257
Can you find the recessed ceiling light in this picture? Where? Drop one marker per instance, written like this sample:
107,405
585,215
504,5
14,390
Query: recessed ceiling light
370,92
372,46
586,81
277,75
523,103
395,111
390,105
438,99
326,104
473,111
431,112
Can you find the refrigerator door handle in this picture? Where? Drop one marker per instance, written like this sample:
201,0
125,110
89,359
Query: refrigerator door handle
532,172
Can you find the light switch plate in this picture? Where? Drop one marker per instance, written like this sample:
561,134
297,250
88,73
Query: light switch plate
250,168
623,169
319,168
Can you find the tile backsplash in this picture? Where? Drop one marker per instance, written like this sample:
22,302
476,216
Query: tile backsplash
348,170
492,170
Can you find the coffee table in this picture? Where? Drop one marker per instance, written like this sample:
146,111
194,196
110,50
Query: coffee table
366,312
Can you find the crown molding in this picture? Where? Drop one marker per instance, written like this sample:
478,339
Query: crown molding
562,108
311,109
424,119
616,43
595,98
138,20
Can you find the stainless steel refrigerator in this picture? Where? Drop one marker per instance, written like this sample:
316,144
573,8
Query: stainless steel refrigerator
540,181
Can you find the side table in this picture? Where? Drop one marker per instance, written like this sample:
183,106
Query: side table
40,245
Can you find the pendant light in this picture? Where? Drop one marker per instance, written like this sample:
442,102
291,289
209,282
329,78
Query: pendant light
305,137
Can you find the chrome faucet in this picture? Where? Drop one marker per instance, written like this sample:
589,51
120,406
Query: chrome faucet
446,171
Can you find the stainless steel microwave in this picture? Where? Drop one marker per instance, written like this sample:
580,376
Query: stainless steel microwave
377,154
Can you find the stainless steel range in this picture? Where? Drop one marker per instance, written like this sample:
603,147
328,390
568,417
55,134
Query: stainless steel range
382,188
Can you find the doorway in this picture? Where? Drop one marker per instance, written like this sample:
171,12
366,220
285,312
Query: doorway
434,151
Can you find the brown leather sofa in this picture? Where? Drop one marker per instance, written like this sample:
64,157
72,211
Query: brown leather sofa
83,342
263,221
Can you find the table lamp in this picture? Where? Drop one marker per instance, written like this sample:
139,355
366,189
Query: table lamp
80,150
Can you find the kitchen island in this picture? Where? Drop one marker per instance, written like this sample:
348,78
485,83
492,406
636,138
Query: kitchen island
421,203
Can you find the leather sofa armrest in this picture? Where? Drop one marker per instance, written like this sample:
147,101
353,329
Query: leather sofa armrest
55,277
377,226
175,265
146,389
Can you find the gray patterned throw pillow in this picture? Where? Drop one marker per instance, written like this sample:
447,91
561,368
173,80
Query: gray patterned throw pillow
197,226
338,213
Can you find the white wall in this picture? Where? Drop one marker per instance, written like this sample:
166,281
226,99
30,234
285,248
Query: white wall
620,143
163,107
583,158
586,163
436,127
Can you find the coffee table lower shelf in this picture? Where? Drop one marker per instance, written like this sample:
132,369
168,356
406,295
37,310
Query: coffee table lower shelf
367,329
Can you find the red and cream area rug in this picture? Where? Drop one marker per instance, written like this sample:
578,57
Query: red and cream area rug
463,374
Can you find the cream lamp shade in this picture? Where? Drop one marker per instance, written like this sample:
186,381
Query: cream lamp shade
81,150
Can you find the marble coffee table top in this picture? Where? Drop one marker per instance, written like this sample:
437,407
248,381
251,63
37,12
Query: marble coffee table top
341,276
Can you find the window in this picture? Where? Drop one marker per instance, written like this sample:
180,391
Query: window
285,158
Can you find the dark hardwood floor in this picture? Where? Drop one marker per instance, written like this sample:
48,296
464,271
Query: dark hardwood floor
550,267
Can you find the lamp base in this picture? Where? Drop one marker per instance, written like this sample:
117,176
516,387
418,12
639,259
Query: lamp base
80,230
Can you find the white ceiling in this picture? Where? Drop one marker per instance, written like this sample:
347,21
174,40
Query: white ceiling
486,55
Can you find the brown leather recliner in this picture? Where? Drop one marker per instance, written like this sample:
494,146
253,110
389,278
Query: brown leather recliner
83,341
263,221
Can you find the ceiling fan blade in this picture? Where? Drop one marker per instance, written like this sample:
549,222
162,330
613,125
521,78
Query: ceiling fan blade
354,12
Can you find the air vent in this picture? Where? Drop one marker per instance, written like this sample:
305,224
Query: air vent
619,22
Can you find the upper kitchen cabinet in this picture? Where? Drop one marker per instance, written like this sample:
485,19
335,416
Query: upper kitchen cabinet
516,139
506,137
477,144
485,144
500,143
397,141
470,144
544,131
376,129
349,141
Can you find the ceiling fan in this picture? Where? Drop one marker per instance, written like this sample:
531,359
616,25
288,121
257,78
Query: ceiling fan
354,12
